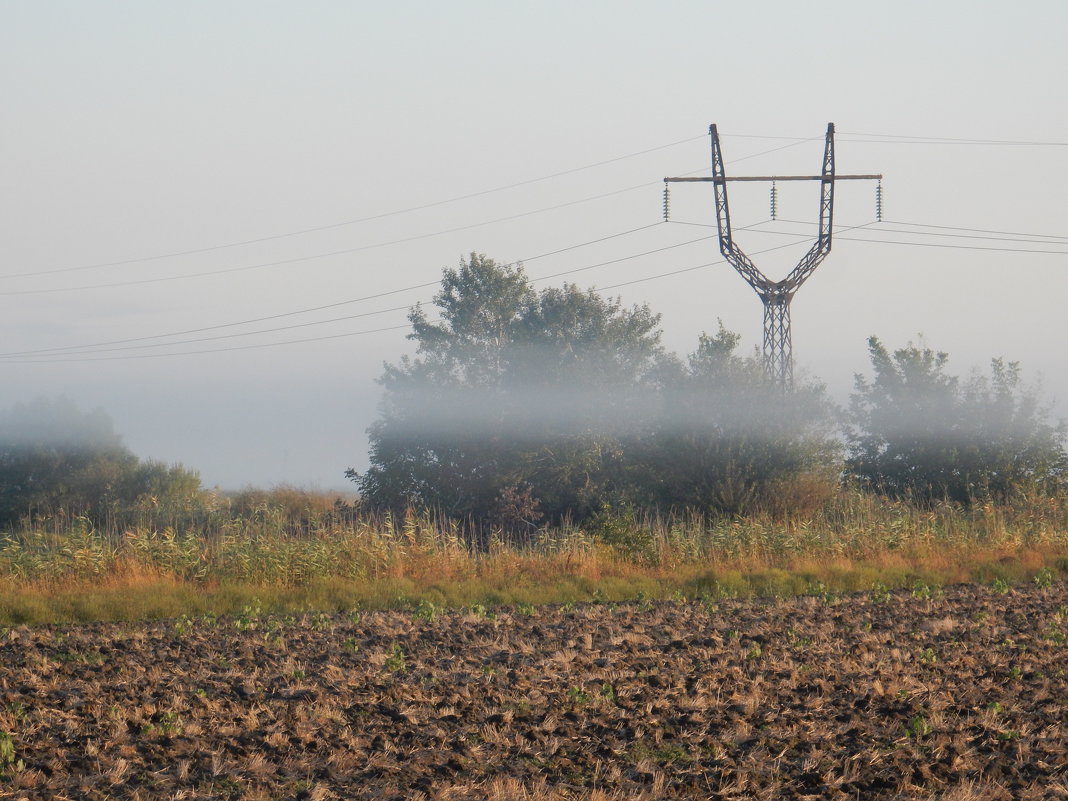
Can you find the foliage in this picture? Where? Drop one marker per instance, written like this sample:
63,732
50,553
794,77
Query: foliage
919,432
55,459
517,404
727,441
523,408
252,567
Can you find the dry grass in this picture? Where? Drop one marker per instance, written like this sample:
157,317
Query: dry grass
305,553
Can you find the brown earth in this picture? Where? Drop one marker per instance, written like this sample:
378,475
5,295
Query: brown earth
887,695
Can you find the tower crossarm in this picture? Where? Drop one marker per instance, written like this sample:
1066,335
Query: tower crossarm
774,295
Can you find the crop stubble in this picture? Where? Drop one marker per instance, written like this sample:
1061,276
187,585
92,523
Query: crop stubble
884,695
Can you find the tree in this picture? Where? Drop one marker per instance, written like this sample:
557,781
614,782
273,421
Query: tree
523,407
56,459
917,431
516,402
728,441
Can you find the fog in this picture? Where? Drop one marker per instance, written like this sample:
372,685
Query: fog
216,217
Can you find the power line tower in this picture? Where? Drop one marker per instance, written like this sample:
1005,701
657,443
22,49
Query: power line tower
775,295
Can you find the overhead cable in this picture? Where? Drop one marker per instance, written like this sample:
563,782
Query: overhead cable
369,218
325,306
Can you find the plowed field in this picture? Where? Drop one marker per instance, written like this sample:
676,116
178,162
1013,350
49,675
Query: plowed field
885,695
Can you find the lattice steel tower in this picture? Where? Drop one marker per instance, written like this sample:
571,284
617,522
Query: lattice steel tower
775,295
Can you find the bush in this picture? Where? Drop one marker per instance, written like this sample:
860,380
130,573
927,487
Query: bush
918,432
58,462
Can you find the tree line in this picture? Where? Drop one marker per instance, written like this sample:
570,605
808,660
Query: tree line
523,408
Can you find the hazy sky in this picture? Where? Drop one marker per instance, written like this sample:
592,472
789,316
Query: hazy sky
132,131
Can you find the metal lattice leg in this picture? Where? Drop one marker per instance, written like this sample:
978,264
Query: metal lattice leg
778,346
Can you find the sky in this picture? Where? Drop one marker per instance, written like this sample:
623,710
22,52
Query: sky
189,167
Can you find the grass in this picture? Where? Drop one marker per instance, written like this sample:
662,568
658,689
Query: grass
72,572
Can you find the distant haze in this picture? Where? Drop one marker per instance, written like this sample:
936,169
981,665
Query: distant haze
138,137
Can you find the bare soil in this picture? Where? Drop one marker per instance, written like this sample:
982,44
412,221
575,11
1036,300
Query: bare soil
885,695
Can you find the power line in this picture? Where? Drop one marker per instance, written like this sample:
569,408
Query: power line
892,241
882,227
17,358
323,307
215,350
85,349
954,247
902,139
345,251
912,244
977,230
369,218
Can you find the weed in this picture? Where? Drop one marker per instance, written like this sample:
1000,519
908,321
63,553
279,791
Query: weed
525,609
395,661
81,657
7,755
17,710
426,610
819,589
879,593
928,657
1044,578
1000,586
917,728
250,616
708,602
799,643
671,754
577,696
170,723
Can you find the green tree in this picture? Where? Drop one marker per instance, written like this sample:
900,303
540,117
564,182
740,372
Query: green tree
58,460
917,431
729,442
514,406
